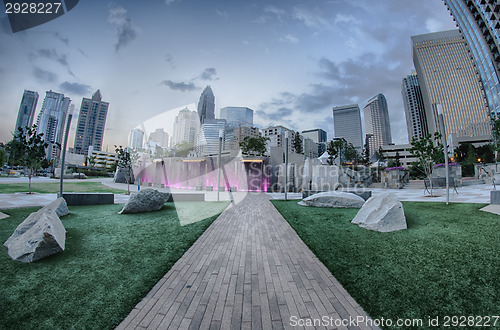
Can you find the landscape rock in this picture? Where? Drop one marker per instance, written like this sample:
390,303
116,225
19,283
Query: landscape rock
59,206
383,213
337,199
145,201
40,235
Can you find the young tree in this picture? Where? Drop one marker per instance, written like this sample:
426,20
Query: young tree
334,149
297,143
29,149
92,161
182,149
254,145
127,160
3,155
428,150
350,153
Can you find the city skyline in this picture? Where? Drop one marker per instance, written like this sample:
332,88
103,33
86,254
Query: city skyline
289,61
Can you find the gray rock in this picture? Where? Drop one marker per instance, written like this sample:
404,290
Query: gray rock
59,206
121,176
337,199
40,235
145,201
383,213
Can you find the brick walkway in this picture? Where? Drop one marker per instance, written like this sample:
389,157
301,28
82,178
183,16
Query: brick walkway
249,270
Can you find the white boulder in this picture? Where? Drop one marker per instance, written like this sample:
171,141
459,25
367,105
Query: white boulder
383,213
337,199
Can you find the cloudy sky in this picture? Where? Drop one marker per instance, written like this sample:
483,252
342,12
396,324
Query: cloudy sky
290,61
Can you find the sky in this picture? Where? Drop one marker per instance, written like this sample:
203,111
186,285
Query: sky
290,61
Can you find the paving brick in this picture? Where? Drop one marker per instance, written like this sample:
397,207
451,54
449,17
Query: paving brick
249,270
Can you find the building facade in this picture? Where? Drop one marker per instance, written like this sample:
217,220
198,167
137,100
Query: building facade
160,136
478,20
318,136
377,124
206,105
207,143
91,124
447,76
236,116
51,122
416,122
26,110
276,135
186,126
347,125
136,138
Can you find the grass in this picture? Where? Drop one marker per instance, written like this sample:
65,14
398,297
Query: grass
445,264
53,187
110,263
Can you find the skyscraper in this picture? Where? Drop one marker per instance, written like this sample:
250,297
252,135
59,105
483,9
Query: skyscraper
236,116
377,123
51,122
479,23
206,105
447,76
207,143
414,107
186,126
26,110
136,138
318,136
347,125
159,136
91,123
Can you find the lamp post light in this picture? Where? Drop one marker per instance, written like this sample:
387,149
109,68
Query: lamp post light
221,134
63,157
286,162
445,147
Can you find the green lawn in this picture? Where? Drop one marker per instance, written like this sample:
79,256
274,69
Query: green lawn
447,263
53,187
110,263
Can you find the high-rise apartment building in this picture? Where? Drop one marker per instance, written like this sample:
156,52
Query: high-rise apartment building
91,124
136,138
416,123
186,126
236,116
159,136
318,136
51,122
377,124
447,76
206,105
26,110
347,125
276,135
207,143
478,20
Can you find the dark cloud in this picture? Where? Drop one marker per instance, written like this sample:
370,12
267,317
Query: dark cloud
83,53
180,86
51,54
126,32
75,88
61,38
44,75
208,74
170,60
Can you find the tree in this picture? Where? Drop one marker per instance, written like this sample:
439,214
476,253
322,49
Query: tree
127,160
334,149
29,149
495,132
3,155
297,143
254,145
428,151
350,153
183,148
92,161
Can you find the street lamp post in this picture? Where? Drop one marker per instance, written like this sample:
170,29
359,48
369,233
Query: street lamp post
286,162
445,147
221,133
63,157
